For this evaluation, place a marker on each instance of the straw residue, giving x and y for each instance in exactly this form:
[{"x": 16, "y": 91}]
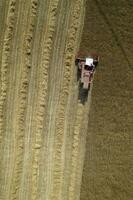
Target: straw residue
[
  {"x": 60, "y": 118},
  {"x": 6, "y": 62},
  {"x": 42, "y": 93},
  {"x": 22, "y": 99}
]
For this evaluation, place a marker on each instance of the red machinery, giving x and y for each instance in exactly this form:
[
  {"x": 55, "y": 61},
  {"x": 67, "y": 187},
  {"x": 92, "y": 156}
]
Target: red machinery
[{"x": 86, "y": 67}]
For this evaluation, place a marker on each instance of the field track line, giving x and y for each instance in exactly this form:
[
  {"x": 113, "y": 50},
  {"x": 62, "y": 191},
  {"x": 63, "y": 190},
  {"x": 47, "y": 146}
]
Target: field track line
[{"x": 113, "y": 32}]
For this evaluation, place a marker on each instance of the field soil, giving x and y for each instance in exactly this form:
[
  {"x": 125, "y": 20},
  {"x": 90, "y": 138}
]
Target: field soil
[{"x": 108, "y": 167}]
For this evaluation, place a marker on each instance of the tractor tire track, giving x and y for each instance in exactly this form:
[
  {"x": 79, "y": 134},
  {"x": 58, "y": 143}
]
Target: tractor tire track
[{"x": 114, "y": 34}]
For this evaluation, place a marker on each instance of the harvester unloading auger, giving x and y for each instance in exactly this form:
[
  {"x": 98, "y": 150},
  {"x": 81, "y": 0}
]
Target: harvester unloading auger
[{"x": 86, "y": 66}]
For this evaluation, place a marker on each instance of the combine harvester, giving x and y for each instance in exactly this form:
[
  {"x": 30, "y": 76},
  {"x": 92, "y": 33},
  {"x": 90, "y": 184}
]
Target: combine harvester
[{"x": 86, "y": 66}]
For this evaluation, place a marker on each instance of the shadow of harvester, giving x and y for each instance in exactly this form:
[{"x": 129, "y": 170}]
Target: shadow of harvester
[{"x": 83, "y": 93}]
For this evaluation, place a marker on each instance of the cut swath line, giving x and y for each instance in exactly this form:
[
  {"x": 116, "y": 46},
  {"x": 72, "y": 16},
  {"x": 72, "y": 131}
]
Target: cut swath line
[
  {"x": 5, "y": 65},
  {"x": 42, "y": 94},
  {"x": 78, "y": 150},
  {"x": 75, "y": 151},
  {"x": 60, "y": 118},
  {"x": 21, "y": 112},
  {"x": 5, "y": 62}
]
